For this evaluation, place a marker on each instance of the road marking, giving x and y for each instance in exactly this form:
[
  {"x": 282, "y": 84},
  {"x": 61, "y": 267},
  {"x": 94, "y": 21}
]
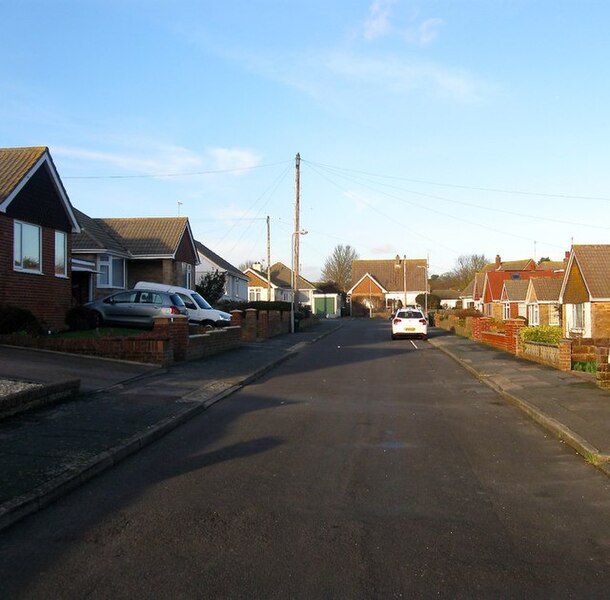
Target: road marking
[{"x": 414, "y": 346}]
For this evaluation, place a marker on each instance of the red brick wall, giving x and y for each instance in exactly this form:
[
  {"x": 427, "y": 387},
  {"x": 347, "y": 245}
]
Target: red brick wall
[{"x": 46, "y": 296}]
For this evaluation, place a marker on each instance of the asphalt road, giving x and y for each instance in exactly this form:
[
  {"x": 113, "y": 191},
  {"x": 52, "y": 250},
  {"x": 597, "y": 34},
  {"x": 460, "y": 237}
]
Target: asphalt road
[{"x": 362, "y": 468}]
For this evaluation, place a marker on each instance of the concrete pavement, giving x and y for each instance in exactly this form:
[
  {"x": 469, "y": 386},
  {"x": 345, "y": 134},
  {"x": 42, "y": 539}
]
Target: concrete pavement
[
  {"x": 569, "y": 405},
  {"x": 46, "y": 452}
]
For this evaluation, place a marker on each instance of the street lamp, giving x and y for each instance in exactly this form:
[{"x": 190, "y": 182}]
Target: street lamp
[{"x": 294, "y": 282}]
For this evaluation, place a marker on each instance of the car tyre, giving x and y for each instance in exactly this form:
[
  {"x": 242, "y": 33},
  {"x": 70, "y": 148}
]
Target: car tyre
[{"x": 207, "y": 325}]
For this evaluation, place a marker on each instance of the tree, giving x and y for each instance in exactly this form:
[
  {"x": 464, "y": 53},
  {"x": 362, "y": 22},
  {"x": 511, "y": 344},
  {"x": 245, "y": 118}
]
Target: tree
[
  {"x": 338, "y": 267},
  {"x": 212, "y": 286},
  {"x": 466, "y": 267}
]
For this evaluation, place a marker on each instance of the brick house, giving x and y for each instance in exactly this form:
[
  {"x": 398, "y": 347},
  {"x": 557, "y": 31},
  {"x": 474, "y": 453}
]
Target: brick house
[
  {"x": 114, "y": 254},
  {"x": 386, "y": 284},
  {"x": 542, "y": 300},
  {"x": 513, "y": 299},
  {"x": 279, "y": 286},
  {"x": 36, "y": 223},
  {"x": 585, "y": 292}
]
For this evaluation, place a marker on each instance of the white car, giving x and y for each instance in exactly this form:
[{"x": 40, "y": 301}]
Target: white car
[{"x": 409, "y": 322}]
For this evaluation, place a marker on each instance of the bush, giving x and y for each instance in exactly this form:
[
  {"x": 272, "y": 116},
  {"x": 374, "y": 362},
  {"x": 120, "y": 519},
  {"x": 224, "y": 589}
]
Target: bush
[
  {"x": 585, "y": 366},
  {"x": 545, "y": 334},
  {"x": 81, "y": 318},
  {"x": 14, "y": 319}
]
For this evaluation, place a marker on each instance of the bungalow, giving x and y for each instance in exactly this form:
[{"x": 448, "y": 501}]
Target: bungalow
[
  {"x": 36, "y": 223},
  {"x": 278, "y": 286},
  {"x": 585, "y": 292},
  {"x": 513, "y": 299},
  {"x": 114, "y": 254},
  {"x": 387, "y": 284},
  {"x": 236, "y": 283},
  {"x": 542, "y": 300}
]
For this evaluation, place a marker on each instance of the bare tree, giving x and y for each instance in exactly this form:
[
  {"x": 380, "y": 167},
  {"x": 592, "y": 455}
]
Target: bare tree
[
  {"x": 338, "y": 267},
  {"x": 466, "y": 267}
]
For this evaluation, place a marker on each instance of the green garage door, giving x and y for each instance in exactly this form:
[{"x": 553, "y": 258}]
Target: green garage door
[{"x": 324, "y": 306}]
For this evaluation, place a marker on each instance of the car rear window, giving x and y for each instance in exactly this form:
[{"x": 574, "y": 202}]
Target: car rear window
[
  {"x": 409, "y": 314},
  {"x": 177, "y": 300}
]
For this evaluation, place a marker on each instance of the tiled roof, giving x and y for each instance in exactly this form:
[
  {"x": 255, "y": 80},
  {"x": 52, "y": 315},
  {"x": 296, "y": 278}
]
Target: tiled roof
[
  {"x": 447, "y": 294},
  {"x": 516, "y": 290},
  {"x": 281, "y": 277},
  {"x": 516, "y": 265},
  {"x": 546, "y": 289},
  {"x": 594, "y": 263},
  {"x": 218, "y": 260},
  {"x": 390, "y": 276},
  {"x": 95, "y": 235},
  {"x": 551, "y": 265},
  {"x": 15, "y": 164}
]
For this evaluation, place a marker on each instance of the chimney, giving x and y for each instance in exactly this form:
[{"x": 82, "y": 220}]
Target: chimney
[
  {"x": 257, "y": 266},
  {"x": 566, "y": 258},
  {"x": 498, "y": 261}
]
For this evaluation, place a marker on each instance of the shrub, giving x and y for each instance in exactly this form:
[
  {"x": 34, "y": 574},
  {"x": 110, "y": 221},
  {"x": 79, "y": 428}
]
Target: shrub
[
  {"x": 15, "y": 319},
  {"x": 81, "y": 318},
  {"x": 545, "y": 334},
  {"x": 585, "y": 366}
]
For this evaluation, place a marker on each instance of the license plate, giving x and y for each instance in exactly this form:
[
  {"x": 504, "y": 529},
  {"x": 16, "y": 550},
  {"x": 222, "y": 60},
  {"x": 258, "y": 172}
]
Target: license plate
[{"x": 409, "y": 328}]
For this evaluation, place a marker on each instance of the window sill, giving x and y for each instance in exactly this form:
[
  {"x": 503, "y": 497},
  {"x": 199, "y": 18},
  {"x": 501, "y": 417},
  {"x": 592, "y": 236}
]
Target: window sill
[{"x": 28, "y": 272}]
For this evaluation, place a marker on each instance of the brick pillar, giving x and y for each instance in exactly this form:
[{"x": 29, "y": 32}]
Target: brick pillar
[
  {"x": 512, "y": 332},
  {"x": 237, "y": 318},
  {"x": 177, "y": 329},
  {"x": 603, "y": 368},
  {"x": 479, "y": 326},
  {"x": 263, "y": 325},
  {"x": 565, "y": 355},
  {"x": 249, "y": 330}
]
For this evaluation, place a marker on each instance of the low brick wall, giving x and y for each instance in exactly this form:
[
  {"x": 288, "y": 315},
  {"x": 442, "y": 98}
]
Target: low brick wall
[
  {"x": 454, "y": 324},
  {"x": 556, "y": 356},
  {"x": 213, "y": 342},
  {"x": 507, "y": 341}
]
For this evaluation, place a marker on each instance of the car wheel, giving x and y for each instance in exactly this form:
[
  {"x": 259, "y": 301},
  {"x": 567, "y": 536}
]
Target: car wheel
[
  {"x": 207, "y": 325},
  {"x": 393, "y": 337},
  {"x": 97, "y": 320}
]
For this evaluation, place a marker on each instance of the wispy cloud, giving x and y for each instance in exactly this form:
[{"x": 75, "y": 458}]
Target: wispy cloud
[
  {"x": 405, "y": 75},
  {"x": 378, "y": 23},
  {"x": 426, "y": 33},
  {"x": 384, "y": 250},
  {"x": 234, "y": 158}
]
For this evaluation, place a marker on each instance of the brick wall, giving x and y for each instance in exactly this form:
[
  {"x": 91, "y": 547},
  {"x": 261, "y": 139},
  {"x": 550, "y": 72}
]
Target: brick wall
[
  {"x": 48, "y": 297},
  {"x": 600, "y": 319}
]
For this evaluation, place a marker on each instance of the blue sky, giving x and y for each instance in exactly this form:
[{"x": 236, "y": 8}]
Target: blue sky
[{"x": 426, "y": 128}]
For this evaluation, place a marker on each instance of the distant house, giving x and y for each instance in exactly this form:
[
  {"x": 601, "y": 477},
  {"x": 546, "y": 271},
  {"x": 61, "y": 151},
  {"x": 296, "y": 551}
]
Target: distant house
[
  {"x": 542, "y": 300},
  {"x": 448, "y": 298},
  {"x": 114, "y": 254},
  {"x": 386, "y": 284},
  {"x": 236, "y": 283},
  {"x": 278, "y": 286},
  {"x": 36, "y": 223},
  {"x": 513, "y": 299},
  {"x": 585, "y": 292}
]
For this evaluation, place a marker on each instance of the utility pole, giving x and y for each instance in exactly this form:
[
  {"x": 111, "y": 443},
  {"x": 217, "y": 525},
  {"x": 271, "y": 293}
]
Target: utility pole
[
  {"x": 297, "y": 228},
  {"x": 268, "y": 260}
]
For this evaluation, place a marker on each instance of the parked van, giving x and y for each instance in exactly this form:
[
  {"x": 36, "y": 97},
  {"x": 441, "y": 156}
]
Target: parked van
[{"x": 199, "y": 311}]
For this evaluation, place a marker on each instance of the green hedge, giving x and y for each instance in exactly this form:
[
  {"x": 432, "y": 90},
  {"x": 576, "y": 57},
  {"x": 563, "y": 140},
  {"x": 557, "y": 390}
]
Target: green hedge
[{"x": 545, "y": 334}]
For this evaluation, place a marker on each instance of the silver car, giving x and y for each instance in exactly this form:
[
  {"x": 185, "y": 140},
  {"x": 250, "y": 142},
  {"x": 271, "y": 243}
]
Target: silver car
[{"x": 136, "y": 307}]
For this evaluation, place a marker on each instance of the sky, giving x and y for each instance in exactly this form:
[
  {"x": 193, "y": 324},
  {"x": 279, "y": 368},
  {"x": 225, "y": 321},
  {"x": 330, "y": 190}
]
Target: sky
[{"x": 429, "y": 129}]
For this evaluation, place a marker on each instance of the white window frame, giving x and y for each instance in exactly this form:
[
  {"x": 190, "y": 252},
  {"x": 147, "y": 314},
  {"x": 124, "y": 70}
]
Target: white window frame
[
  {"x": 111, "y": 262},
  {"x": 533, "y": 314},
  {"x": 554, "y": 312},
  {"x": 578, "y": 320},
  {"x": 61, "y": 242},
  {"x": 506, "y": 311},
  {"x": 186, "y": 275},
  {"x": 18, "y": 227}
]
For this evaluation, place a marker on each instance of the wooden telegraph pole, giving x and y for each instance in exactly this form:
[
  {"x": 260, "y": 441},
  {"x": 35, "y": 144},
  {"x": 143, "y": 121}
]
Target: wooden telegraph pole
[{"x": 268, "y": 260}]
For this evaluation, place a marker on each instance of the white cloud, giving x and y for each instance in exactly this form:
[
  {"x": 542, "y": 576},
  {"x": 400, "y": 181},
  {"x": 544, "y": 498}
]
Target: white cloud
[
  {"x": 428, "y": 31},
  {"x": 234, "y": 158},
  {"x": 378, "y": 22},
  {"x": 387, "y": 250},
  {"x": 404, "y": 75}
]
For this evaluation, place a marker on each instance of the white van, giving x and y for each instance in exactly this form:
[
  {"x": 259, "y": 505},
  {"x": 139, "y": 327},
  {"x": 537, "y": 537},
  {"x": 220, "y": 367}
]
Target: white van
[{"x": 198, "y": 309}]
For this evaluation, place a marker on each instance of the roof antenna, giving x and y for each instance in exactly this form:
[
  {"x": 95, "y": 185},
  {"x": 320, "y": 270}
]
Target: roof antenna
[{"x": 179, "y": 205}]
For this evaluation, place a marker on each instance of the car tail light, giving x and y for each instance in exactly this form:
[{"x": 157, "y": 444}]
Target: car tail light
[
  {"x": 423, "y": 321},
  {"x": 174, "y": 310},
  {"x": 396, "y": 321}
]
